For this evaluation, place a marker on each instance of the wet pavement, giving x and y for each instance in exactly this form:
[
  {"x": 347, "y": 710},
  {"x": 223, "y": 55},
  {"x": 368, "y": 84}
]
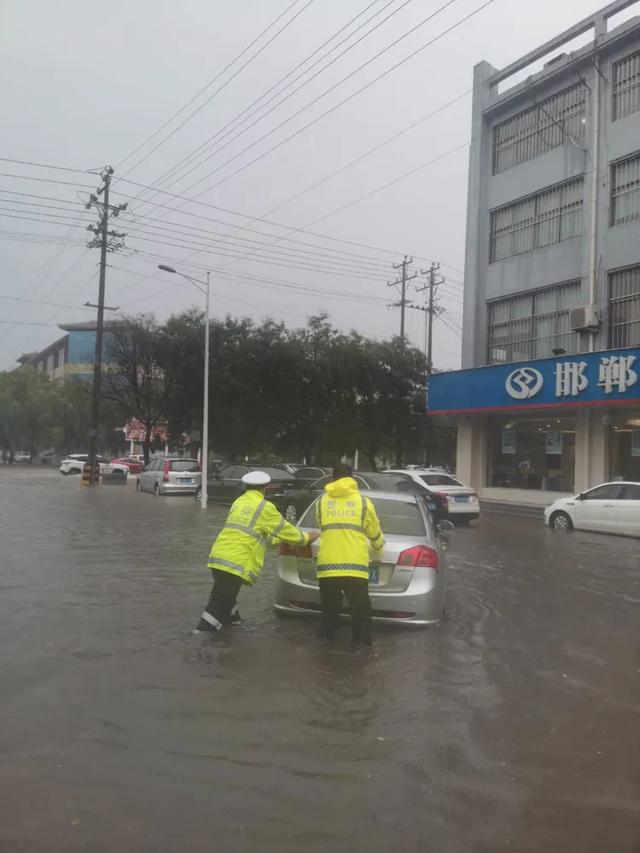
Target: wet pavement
[{"x": 512, "y": 726}]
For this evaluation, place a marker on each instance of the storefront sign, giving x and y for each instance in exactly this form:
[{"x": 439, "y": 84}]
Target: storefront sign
[
  {"x": 589, "y": 379},
  {"x": 553, "y": 444},
  {"x": 508, "y": 442}
]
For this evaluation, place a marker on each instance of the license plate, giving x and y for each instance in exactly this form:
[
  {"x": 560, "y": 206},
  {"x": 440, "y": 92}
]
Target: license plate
[
  {"x": 186, "y": 480},
  {"x": 462, "y": 499},
  {"x": 374, "y": 574}
]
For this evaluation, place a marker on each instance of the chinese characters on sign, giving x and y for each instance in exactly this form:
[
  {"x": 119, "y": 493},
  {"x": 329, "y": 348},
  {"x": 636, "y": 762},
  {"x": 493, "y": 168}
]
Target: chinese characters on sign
[
  {"x": 615, "y": 375},
  {"x": 570, "y": 378}
]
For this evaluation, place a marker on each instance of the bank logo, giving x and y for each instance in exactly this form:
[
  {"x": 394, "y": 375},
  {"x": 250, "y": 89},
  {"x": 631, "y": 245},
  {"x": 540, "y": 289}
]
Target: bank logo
[{"x": 524, "y": 383}]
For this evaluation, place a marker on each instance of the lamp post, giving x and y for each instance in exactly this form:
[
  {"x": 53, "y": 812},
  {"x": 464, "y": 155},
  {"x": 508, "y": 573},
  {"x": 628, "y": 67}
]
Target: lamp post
[{"x": 203, "y": 287}]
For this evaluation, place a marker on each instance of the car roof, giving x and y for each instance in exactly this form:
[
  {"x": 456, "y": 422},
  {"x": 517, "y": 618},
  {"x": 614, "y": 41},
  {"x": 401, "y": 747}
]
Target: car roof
[{"x": 401, "y": 497}]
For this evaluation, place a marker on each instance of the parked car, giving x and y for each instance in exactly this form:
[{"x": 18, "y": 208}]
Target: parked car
[
  {"x": 608, "y": 508},
  {"x": 293, "y": 502},
  {"x": 226, "y": 485},
  {"x": 74, "y": 463},
  {"x": 132, "y": 463},
  {"x": 171, "y": 475},
  {"x": 460, "y": 502},
  {"x": 409, "y": 584},
  {"x": 289, "y": 467},
  {"x": 310, "y": 474}
]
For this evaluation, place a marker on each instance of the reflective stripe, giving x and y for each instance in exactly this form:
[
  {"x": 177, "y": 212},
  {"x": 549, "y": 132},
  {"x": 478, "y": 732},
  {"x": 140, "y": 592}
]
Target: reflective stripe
[
  {"x": 340, "y": 526},
  {"x": 242, "y": 529},
  {"x": 219, "y": 561},
  {"x": 375, "y": 538},
  {"x": 256, "y": 514},
  {"x": 364, "y": 511},
  {"x": 211, "y": 620},
  {"x": 279, "y": 527},
  {"x": 339, "y": 567},
  {"x": 303, "y": 538}
]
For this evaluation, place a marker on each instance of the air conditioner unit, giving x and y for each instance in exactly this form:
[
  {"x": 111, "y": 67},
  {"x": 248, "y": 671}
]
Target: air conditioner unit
[{"x": 585, "y": 319}]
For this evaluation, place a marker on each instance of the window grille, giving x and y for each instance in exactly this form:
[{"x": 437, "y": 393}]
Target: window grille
[{"x": 546, "y": 125}]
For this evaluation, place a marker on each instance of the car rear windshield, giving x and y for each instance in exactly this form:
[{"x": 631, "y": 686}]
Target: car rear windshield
[
  {"x": 439, "y": 480},
  {"x": 396, "y": 517},
  {"x": 184, "y": 465}
]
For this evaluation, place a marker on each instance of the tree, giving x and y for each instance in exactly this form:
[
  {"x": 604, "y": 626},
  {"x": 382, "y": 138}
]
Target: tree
[{"x": 140, "y": 377}]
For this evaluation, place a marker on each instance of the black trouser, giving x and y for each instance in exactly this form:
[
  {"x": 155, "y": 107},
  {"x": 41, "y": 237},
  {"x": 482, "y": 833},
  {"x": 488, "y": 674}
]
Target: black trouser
[
  {"x": 357, "y": 592},
  {"x": 221, "y": 609}
]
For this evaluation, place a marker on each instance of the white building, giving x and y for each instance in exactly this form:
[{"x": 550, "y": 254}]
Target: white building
[{"x": 548, "y": 399}]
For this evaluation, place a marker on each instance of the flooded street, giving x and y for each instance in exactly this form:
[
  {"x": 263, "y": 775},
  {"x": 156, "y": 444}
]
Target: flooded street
[{"x": 511, "y": 726}]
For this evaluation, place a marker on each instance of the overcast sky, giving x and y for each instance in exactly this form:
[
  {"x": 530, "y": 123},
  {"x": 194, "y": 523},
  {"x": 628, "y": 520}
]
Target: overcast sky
[{"x": 83, "y": 85}]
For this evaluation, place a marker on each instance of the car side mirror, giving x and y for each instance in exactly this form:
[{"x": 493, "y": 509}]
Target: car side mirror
[
  {"x": 446, "y": 526},
  {"x": 581, "y": 496}
]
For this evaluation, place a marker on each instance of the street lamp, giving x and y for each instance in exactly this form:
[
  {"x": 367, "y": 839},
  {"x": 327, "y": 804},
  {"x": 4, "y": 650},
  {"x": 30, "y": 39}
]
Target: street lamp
[{"x": 203, "y": 287}]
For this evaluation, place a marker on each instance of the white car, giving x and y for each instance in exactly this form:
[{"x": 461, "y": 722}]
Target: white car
[
  {"x": 460, "y": 502},
  {"x": 74, "y": 464},
  {"x": 609, "y": 508}
]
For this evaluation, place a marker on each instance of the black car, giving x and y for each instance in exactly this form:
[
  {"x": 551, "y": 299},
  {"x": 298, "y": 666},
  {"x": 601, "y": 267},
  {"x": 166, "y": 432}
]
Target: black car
[
  {"x": 226, "y": 484},
  {"x": 293, "y": 502},
  {"x": 309, "y": 474}
]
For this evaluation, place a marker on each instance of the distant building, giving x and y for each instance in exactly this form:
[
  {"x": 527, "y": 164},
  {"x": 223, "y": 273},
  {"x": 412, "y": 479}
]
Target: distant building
[
  {"x": 71, "y": 356},
  {"x": 549, "y": 396}
]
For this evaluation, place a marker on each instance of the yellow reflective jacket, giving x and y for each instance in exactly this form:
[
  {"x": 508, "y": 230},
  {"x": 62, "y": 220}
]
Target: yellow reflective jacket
[
  {"x": 241, "y": 544},
  {"x": 348, "y": 525}
]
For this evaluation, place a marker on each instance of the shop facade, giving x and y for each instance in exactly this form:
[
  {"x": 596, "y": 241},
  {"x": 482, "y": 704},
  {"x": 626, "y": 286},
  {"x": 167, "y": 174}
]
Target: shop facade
[{"x": 531, "y": 431}]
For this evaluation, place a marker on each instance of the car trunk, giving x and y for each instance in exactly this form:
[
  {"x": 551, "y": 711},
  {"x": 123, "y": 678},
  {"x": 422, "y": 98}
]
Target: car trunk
[
  {"x": 458, "y": 495},
  {"x": 179, "y": 476},
  {"x": 391, "y": 578}
]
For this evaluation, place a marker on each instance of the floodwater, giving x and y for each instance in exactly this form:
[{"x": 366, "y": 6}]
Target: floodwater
[{"x": 512, "y": 726}]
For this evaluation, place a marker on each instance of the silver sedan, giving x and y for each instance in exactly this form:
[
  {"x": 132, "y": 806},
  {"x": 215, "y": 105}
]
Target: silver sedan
[{"x": 408, "y": 585}]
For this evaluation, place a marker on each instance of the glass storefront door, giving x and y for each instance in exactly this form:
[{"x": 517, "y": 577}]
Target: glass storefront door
[
  {"x": 532, "y": 452},
  {"x": 625, "y": 445}
]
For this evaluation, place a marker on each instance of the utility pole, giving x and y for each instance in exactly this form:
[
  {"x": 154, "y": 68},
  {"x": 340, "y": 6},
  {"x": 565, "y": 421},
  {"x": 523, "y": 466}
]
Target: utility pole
[
  {"x": 430, "y": 309},
  {"x": 107, "y": 241},
  {"x": 402, "y": 281}
]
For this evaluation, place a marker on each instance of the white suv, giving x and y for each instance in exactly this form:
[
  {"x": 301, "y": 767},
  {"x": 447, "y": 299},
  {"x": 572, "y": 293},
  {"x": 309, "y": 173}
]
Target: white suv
[
  {"x": 461, "y": 503},
  {"x": 74, "y": 464}
]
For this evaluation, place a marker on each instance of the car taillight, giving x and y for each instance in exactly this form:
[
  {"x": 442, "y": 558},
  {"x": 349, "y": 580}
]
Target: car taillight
[
  {"x": 420, "y": 555},
  {"x": 444, "y": 498},
  {"x": 165, "y": 472},
  {"x": 285, "y": 549}
]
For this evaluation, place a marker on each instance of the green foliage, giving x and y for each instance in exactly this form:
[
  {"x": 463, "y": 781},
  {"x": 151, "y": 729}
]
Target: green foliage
[
  {"x": 312, "y": 392},
  {"x": 37, "y": 413}
]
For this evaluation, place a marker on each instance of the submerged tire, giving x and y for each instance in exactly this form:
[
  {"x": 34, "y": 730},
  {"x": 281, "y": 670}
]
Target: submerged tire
[{"x": 560, "y": 521}]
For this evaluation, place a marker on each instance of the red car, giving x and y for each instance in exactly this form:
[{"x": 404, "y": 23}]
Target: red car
[{"x": 134, "y": 466}]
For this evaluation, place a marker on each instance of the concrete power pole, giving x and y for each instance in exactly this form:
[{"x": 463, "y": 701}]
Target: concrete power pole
[
  {"x": 430, "y": 309},
  {"x": 403, "y": 302},
  {"x": 103, "y": 241}
]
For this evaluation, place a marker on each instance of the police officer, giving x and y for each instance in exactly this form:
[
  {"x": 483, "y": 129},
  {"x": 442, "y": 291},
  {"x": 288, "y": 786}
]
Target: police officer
[
  {"x": 348, "y": 527},
  {"x": 237, "y": 555}
]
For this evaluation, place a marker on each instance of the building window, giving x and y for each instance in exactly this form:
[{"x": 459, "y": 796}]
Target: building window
[
  {"x": 625, "y": 190},
  {"x": 541, "y": 220},
  {"x": 532, "y": 452},
  {"x": 534, "y": 324},
  {"x": 624, "y": 308},
  {"x": 626, "y": 86},
  {"x": 546, "y": 125}
]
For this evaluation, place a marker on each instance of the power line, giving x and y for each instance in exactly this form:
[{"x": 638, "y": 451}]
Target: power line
[
  {"x": 340, "y": 103},
  {"x": 42, "y": 302},
  {"x": 211, "y": 141},
  {"x": 202, "y": 91},
  {"x": 224, "y": 85}
]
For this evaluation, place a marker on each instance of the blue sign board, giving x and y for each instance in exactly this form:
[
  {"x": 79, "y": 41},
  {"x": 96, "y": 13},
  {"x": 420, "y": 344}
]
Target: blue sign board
[{"x": 589, "y": 379}]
